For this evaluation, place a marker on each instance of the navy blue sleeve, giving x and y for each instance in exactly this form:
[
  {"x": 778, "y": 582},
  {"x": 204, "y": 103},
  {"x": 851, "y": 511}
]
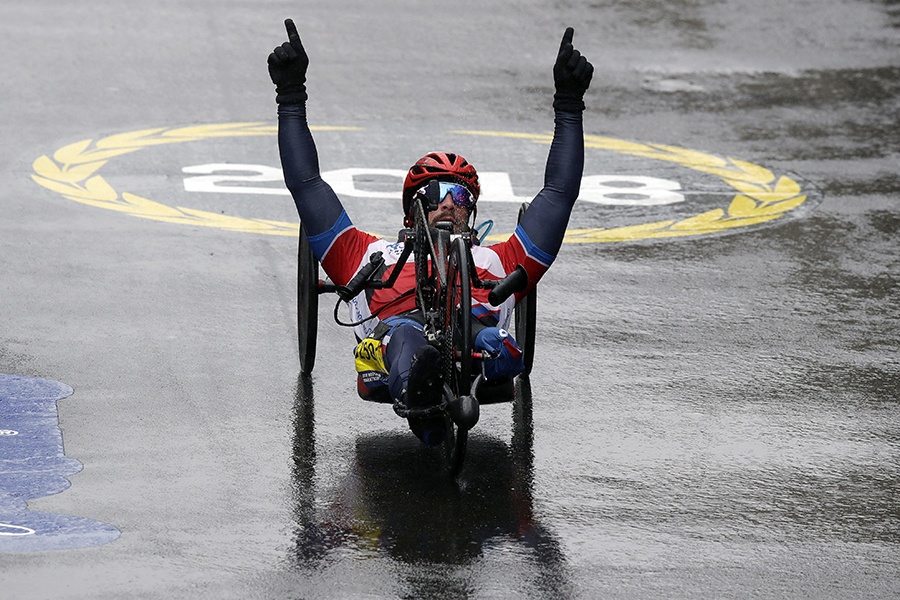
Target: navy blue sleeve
[
  {"x": 544, "y": 223},
  {"x": 318, "y": 206}
]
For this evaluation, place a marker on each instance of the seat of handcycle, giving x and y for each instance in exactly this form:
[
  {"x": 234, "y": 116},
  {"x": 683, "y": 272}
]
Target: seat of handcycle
[{"x": 485, "y": 393}]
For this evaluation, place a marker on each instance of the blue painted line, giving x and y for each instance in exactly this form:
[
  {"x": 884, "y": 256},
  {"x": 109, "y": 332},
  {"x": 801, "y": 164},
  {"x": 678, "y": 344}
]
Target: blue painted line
[{"x": 32, "y": 465}]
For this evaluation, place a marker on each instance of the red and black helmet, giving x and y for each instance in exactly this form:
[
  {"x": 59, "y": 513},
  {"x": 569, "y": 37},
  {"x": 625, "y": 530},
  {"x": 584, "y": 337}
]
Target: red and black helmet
[{"x": 443, "y": 166}]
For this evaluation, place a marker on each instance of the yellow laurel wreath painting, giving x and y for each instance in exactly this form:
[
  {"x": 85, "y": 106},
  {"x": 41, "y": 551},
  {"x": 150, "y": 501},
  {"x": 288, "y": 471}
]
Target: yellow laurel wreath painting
[
  {"x": 72, "y": 172},
  {"x": 761, "y": 196}
]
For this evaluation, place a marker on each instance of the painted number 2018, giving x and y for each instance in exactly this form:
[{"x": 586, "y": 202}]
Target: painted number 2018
[{"x": 618, "y": 190}]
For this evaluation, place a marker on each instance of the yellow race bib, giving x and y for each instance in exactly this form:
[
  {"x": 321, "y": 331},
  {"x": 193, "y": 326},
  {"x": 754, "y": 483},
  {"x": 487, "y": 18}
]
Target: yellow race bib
[{"x": 370, "y": 365}]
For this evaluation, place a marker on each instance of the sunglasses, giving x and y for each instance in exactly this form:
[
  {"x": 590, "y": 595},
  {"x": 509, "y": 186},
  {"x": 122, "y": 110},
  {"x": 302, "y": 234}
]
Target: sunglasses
[{"x": 458, "y": 193}]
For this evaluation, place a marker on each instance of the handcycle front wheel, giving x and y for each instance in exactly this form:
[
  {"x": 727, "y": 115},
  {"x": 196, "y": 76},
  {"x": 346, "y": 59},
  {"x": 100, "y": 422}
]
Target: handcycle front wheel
[
  {"x": 458, "y": 319},
  {"x": 454, "y": 447},
  {"x": 307, "y": 303},
  {"x": 457, "y": 350}
]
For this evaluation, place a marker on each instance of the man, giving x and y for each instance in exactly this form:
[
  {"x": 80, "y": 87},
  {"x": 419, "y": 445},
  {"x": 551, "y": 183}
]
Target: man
[{"x": 403, "y": 360}]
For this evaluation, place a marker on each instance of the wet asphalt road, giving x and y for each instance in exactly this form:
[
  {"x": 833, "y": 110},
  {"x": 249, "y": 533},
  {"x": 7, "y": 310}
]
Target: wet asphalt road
[{"x": 720, "y": 420}]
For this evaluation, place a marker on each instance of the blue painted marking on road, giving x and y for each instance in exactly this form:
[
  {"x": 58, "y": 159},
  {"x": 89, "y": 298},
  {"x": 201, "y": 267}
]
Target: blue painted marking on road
[{"x": 33, "y": 465}]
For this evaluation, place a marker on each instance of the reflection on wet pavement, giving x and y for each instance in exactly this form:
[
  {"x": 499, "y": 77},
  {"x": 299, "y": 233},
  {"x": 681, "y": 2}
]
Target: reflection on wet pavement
[{"x": 394, "y": 500}]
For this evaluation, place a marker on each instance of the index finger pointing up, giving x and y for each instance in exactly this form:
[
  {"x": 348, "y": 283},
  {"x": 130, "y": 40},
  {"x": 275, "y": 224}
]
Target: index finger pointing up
[
  {"x": 291, "y": 29},
  {"x": 567, "y": 37}
]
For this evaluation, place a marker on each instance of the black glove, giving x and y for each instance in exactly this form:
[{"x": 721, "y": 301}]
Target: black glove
[
  {"x": 287, "y": 68},
  {"x": 572, "y": 75}
]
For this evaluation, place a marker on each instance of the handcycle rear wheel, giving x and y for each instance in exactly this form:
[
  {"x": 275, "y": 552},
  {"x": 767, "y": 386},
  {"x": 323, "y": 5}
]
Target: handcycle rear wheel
[
  {"x": 307, "y": 303},
  {"x": 525, "y": 318}
]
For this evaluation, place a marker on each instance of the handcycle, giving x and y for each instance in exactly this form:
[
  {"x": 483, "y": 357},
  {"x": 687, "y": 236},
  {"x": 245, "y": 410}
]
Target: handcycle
[{"x": 445, "y": 277}]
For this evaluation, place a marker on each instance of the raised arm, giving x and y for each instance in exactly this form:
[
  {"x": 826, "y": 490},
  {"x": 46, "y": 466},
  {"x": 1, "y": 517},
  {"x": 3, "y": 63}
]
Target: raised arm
[
  {"x": 319, "y": 208},
  {"x": 544, "y": 223}
]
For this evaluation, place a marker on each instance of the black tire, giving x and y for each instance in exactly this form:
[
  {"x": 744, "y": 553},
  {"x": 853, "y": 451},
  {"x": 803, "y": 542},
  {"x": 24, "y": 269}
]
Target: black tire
[
  {"x": 457, "y": 456},
  {"x": 455, "y": 443},
  {"x": 523, "y": 421},
  {"x": 458, "y": 344},
  {"x": 458, "y": 319},
  {"x": 525, "y": 316},
  {"x": 525, "y": 319},
  {"x": 307, "y": 303}
]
